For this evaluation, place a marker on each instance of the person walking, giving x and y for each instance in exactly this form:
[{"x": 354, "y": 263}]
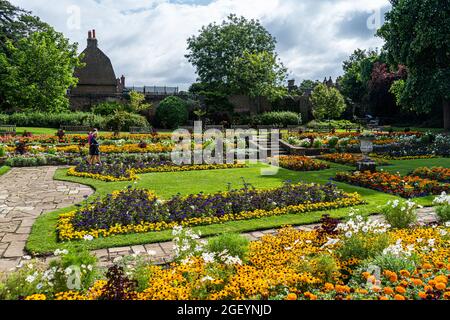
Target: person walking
[
  {"x": 94, "y": 148},
  {"x": 89, "y": 159}
]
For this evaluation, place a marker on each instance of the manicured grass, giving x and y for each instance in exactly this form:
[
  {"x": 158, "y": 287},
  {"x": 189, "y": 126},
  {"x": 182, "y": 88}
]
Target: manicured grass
[
  {"x": 36, "y": 131},
  {"x": 43, "y": 239},
  {"x": 4, "y": 170}
]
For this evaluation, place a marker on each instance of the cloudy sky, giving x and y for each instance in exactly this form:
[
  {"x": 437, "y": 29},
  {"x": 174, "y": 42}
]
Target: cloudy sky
[{"x": 146, "y": 39}]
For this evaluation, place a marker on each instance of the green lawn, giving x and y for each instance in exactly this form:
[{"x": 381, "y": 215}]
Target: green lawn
[
  {"x": 4, "y": 170},
  {"x": 43, "y": 238}
]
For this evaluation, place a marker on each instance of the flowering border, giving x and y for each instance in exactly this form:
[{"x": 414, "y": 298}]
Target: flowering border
[
  {"x": 160, "y": 169},
  {"x": 66, "y": 230}
]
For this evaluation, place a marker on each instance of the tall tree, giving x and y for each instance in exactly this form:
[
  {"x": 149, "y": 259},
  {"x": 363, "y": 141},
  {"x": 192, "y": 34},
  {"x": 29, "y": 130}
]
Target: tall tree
[
  {"x": 328, "y": 103},
  {"x": 16, "y": 23},
  {"x": 258, "y": 75},
  {"x": 36, "y": 71},
  {"x": 357, "y": 73},
  {"x": 417, "y": 35},
  {"x": 216, "y": 49}
]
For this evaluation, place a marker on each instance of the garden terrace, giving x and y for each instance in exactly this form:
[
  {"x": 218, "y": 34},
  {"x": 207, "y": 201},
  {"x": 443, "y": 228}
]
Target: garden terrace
[{"x": 166, "y": 185}]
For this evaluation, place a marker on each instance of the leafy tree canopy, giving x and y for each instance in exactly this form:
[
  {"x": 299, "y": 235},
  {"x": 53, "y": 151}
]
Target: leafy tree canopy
[
  {"x": 216, "y": 49},
  {"x": 328, "y": 103},
  {"x": 417, "y": 35}
]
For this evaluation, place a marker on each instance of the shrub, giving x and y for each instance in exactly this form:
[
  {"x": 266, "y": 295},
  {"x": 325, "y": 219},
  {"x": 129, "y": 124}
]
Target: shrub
[
  {"x": 235, "y": 244},
  {"x": 328, "y": 103},
  {"x": 400, "y": 214},
  {"x": 172, "y": 113},
  {"x": 323, "y": 266},
  {"x": 123, "y": 121},
  {"x": 392, "y": 262},
  {"x": 281, "y": 119},
  {"x": 362, "y": 247},
  {"x": 108, "y": 108},
  {"x": 443, "y": 207},
  {"x": 54, "y": 120},
  {"x": 2, "y": 150}
]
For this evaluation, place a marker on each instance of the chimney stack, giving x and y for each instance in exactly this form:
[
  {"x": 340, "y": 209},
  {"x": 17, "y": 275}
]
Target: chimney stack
[{"x": 92, "y": 41}]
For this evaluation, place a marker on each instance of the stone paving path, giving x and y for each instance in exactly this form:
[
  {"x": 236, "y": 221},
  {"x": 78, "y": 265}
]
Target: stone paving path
[
  {"x": 162, "y": 252},
  {"x": 25, "y": 194}
]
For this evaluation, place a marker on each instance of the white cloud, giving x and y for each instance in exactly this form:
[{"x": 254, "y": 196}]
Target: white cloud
[{"x": 146, "y": 39}]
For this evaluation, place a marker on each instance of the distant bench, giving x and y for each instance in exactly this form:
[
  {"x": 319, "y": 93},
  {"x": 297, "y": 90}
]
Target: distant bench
[
  {"x": 6, "y": 130},
  {"x": 76, "y": 129}
]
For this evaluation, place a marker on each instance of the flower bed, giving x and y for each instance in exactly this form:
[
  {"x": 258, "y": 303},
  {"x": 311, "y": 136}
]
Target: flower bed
[
  {"x": 119, "y": 170},
  {"x": 412, "y": 264},
  {"x": 349, "y": 159},
  {"x": 137, "y": 211},
  {"x": 299, "y": 163},
  {"x": 437, "y": 173},
  {"x": 406, "y": 187}
]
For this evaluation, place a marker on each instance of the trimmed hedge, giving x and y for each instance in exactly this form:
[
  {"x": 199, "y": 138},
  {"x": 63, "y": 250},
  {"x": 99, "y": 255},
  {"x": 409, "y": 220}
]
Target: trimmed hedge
[
  {"x": 55, "y": 120},
  {"x": 172, "y": 113},
  {"x": 280, "y": 118}
]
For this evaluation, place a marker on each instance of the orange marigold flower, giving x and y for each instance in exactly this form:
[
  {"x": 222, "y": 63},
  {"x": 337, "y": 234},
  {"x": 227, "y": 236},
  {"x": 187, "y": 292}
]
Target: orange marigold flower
[
  {"x": 422, "y": 295},
  {"x": 384, "y": 298},
  {"x": 393, "y": 277},
  {"x": 417, "y": 282},
  {"x": 428, "y": 288},
  {"x": 291, "y": 296},
  {"x": 399, "y": 297},
  {"x": 441, "y": 279},
  {"x": 405, "y": 273},
  {"x": 440, "y": 286},
  {"x": 427, "y": 266},
  {"x": 400, "y": 290},
  {"x": 388, "y": 290},
  {"x": 329, "y": 286}
]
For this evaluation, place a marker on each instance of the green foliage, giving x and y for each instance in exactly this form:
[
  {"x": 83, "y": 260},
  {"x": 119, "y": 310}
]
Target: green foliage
[
  {"x": 363, "y": 246},
  {"x": 2, "y": 150},
  {"x": 392, "y": 263},
  {"x": 443, "y": 212},
  {"x": 74, "y": 269},
  {"x": 307, "y": 85},
  {"x": 172, "y": 113},
  {"x": 357, "y": 73},
  {"x": 416, "y": 34},
  {"x": 108, "y": 108},
  {"x": 281, "y": 119},
  {"x": 259, "y": 75},
  {"x": 137, "y": 102},
  {"x": 400, "y": 214},
  {"x": 397, "y": 89},
  {"x": 36, "y": 71},
  {"x": 327, "y": 102},
  {"x": 122, "y": 121},
  {"x": 235, "y": 244},
  {"x": 54, "y": 120},
  {"x": 17, "y": 23},
  {"x": 214, "y": 51},
  {"x": 337, "y": 124},
  {"x": 322, "y": 266}
]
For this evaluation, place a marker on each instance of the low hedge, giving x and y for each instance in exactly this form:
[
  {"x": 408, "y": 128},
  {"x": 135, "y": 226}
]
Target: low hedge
[
  {"x": 55, "y": 120},
  {"x": 282, "y": 119}
]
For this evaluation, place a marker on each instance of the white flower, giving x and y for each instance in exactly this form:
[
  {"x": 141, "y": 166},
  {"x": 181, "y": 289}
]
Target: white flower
[
  {"x": 349, "y": 234},
  {"x": 207, "y": 278},
  {"x": 208, "y": 257},
  {"x": 30, "y": 279},
  {"x": 88, "y": 237}
]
